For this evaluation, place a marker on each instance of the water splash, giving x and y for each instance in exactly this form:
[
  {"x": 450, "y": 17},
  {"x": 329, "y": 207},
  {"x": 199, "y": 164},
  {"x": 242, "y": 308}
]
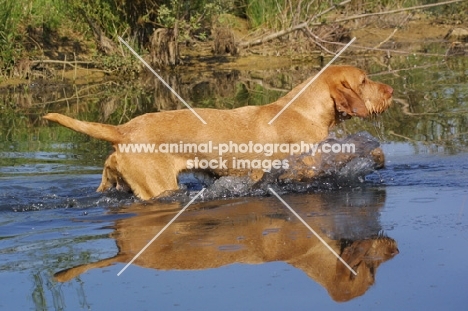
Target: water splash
[{"x": 329, "y": 171}]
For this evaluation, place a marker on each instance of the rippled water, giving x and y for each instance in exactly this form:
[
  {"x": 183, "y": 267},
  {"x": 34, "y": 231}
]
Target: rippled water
[{"x": 62, "y": 244}]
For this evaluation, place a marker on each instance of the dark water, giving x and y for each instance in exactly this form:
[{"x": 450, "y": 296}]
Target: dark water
[{"x": 62, "y": 244}]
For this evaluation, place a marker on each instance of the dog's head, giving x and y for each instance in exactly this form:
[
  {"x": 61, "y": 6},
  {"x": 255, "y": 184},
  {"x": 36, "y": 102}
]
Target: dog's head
[
  {"x": 354, "y": 94},
  {"x": 112, "y": 177},
  {"x": 364, "y": 256}
]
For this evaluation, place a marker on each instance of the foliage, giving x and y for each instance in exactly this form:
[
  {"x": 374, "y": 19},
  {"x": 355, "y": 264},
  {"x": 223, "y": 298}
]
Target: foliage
[
  {"x": 137, "y": 19},
  {"x": 16, "y": 17},
  {"x": 280, "y": 14},
  {"x": 189, "y": 17},
  {"x": 456, "y": 13},
  {"x": 10, "y": 18},
  {"x": 103, "y": 12}
]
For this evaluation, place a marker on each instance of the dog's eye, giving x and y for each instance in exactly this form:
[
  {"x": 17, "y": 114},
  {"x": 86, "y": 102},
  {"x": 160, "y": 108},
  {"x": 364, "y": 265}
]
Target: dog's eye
[{"x": 363, "y": 80}]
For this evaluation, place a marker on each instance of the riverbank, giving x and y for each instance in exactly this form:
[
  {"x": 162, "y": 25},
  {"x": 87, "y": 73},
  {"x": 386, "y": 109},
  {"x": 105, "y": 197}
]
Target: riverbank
[{"x": 67, "y": 55}]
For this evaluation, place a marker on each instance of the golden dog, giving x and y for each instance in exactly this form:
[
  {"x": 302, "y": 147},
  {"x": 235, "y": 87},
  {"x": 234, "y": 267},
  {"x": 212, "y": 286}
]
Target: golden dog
[
  {"x": 260, "y": 230},
  {"x": 337, "y": 94}
]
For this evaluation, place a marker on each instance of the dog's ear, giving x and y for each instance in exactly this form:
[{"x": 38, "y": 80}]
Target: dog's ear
[{"x": 347, "y": 102}]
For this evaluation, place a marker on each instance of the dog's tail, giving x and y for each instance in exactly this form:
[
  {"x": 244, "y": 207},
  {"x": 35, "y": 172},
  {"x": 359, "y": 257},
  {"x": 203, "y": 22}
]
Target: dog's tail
[{"x": 97, "y": 130}]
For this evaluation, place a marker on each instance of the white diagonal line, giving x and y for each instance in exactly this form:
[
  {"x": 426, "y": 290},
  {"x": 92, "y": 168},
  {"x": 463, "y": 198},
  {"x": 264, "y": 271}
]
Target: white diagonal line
[
  {"x": 161, "y": 79},
  {"x": 160, "y": 232},
  {"x": 312, "y": 230},
  {"x": 311, "y": 81}
]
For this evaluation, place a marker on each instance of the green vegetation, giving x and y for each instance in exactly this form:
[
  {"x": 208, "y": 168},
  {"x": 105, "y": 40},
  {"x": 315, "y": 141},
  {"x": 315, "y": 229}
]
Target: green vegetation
[
  {"x": 37, "y": 29},
  {"x": 19, "y": 20},
  {"x": 10, "y": 18}
]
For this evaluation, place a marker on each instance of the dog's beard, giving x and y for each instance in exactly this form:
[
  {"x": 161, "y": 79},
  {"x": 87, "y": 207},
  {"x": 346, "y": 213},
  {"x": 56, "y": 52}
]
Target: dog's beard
[{"x": 377, "y": 108}]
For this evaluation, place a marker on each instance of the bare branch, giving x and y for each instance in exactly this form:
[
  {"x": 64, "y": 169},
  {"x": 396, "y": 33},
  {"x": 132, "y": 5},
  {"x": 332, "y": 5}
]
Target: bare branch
[
  {"x": 291, "y": 29},
  {"x": 396, "y": 11},
  {"x": 308, "y": 22},
  {"x": 394, "y": 32},
  {"x": 315, "y": 39}
]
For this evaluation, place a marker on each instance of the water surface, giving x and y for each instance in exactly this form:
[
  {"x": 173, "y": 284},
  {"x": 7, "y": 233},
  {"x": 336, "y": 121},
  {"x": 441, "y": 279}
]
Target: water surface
[{"x": 62, "y": 244}]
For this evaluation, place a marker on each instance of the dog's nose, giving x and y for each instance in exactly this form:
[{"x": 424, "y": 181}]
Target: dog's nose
[{"x": 389, "y": 89}]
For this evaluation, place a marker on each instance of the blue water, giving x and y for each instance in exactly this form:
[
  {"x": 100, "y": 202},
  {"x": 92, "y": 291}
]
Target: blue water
[{"x": 245, "y": 253}]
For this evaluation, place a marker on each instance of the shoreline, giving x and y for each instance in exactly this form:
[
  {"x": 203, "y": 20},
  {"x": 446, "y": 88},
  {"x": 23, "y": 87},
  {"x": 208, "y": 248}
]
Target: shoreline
[{"x": 419, "y": 36}]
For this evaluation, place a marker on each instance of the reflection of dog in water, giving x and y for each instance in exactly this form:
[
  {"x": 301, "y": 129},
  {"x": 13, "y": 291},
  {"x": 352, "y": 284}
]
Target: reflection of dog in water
[
  {"x": 339, "y": 93},
  {"x": 261, "y": 230}
]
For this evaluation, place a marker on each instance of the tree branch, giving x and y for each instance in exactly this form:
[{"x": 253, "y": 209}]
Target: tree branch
[
  {"x": 291, "y": 29},
  {"x": 308, "y": 22},
  {"x": 396, "y": 11}
]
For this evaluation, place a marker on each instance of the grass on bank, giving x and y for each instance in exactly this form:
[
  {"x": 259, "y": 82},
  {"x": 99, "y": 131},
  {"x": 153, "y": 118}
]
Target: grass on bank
[{"x": 30, "y": 27}]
